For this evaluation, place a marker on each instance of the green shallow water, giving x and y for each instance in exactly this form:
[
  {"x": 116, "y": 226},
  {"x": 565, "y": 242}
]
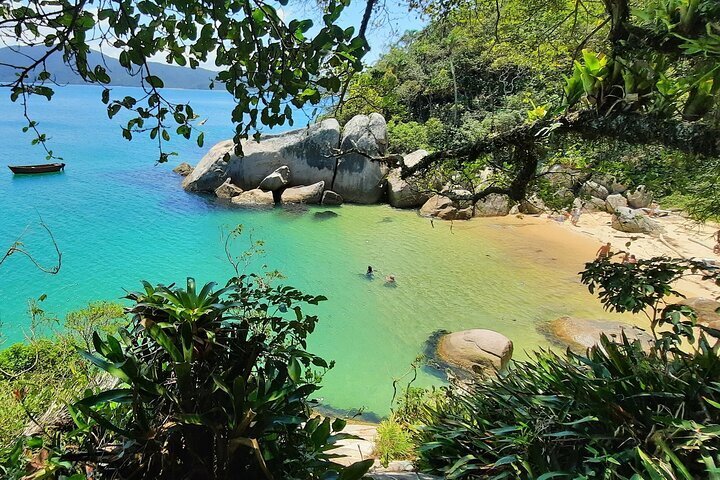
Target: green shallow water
[{"x": 118, "y": 218}]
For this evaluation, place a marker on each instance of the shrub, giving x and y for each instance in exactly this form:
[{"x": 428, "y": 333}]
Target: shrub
[
  {"x": 406, "y": 137},
  {"x": 392, "y": 442}
]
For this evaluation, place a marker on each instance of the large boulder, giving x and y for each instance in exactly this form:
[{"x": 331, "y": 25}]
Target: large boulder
[
  {"x": 494, "y": 205},
  {"x": 228, "y": 190},
  {"x": 311, "y": 194},
  {"x": 594, "y": 189},
  {"x": 641, "y": 197},
  {"x": 615, "y": 201},
  {"x": 360, "y": 179},
  {"x": 254, "y": 198},
  {"x": 401, "y": 193},
  {"x": 183, "y": 169},
  {"x": 307, "y": 152},
  {"x": 211, "y": 172},
  {"x": 580, "y": 333},
  {"x": 276, "y": 180},
  {"x": 594, "y": 204},
  {"x": 331, "y": 198},
  {"x": 476, "y": 350},
  {"x": 435, "y": 205},
  {"x": 634, "y": 221},
  {"x": 706, "y": 309},
  {"x": 531, "y": 206},
  {"x": 562, "y": 176}
]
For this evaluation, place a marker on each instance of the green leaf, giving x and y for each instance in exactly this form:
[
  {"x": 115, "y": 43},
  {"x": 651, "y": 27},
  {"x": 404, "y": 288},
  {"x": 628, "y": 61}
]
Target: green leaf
[{"x": 357, "y": 470}]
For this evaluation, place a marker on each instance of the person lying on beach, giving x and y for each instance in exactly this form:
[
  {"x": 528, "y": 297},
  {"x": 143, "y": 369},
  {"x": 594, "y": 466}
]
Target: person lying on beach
[{"x": 603, "y": 252}]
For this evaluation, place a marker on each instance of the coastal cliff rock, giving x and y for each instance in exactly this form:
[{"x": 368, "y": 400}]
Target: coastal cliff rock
[
  {"x": 228, "y": 190},
  {"x": 310, "y": 194},
  {"x": 476, "y": 350},
  {"x": 359, "y": 179},
  {"x": 303, "y": 157},
  {"x": 254, "y": 198},
  {"x": 402, "y": 194},
  {"x": 634, "y": 221},
  {"x": 276, "y": 180},
  {"x": 183, "y": 169},
  {"x": 580, "y": 333}
]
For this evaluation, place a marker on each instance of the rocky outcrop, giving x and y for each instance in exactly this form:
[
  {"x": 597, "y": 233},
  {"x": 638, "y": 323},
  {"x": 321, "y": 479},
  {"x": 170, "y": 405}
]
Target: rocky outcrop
[
  {"x": 228, "y": 190},
  {"x": 359, "y": 179},
  {"x": 615, "y": 201},
  {"x": 493, "y": 205},
  {"x": 531, "y": 206},
  {"x": 276, "y": 180},
  {"x": 401, "y": 193},
  {"x": 594, "y": 204},
  {"x": 311, "y": 194},
  {"x": 254, "y": 198},
  {"x": 640, "y": 198},
  {"x": 331, "y": 198},
  {"x": 476, "y": 350},
  {"x": 706, "y": 309},
  {"x": 183, "y": 169},
  {"x": 580, "y": 333},
  {"x": 303, "y": 157},
  {"x": 634, "y": 221}
]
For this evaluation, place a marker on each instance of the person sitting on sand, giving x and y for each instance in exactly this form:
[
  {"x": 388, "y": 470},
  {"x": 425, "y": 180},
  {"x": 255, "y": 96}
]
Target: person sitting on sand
[{"x": 603, "y": 252}]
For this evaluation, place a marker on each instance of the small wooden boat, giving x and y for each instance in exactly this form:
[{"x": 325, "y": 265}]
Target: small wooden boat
[{"x": 30, "y": 169}]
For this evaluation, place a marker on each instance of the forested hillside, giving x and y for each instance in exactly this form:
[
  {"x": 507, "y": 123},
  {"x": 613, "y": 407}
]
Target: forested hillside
[{"x": 480, "y": 69}]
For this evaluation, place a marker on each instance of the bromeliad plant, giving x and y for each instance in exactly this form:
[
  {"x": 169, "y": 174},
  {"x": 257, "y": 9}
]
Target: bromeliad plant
[{"x": 215, "y": 384}]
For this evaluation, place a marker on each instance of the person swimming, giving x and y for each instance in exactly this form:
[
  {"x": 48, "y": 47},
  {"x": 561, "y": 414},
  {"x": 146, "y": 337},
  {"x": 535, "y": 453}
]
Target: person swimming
[
  {"x": 390, "y": 279},
  {"x": 369, "y": 272}
]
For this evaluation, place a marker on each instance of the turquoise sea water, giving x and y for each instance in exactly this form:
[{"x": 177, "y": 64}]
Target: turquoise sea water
[{"x": 119, "y": 218}]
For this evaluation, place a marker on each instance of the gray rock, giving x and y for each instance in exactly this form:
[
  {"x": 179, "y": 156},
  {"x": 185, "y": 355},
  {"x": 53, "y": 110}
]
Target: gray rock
[
  {"x": 359, "y": 179},
  {"x": 476, "y": 350},
  {"x": 402, "y": 193},
  {"x": 615, "y": 201},
  {"x": 494, "y": 205},
  {"x": 307, "y": 152},
  {"x": 228, "y": 190},
  {"x": 211, "y": 172},
  {"x": 435, "y": 204},
  {"x": 593, "y": 189},
  {"x": 253, "y": 198},
  {"x": 634, "y": 221},
  {"x": 595, "y": 204},
  {"x": 531, "y": 206},
  {"x": 562, "y": 176},
  {"x": 331, "y": 198},
  {"x": 183, "y": 169},
  {"x": 464, "y": 213},
  {"x": 276, "y": 180},
  {"x": 311, "y": 194},
  {"x": 447, "y": 213},
  {"x": 640, "y": 198}
]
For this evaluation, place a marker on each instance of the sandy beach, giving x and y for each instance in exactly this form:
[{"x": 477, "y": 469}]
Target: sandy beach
[{"x": 682, "y": 238}]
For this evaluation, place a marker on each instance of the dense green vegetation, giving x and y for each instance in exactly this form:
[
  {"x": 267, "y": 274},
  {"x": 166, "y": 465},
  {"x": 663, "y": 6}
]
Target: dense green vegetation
[{"x": 613, "y": 88}]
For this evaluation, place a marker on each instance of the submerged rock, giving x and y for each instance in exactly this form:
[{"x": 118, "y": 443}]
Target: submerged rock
[
  {"x": 477, "y": 350},
  {"x": 183, "y": 169},
  {"x": 634, "y": 221},
  {"x": 324, "y": 215},
  {"x": 310, "y": 194},
  {"x": 580, "y": 333},
  {"x": 228, "y": 190},
  {"x": 276, "y": 180}
]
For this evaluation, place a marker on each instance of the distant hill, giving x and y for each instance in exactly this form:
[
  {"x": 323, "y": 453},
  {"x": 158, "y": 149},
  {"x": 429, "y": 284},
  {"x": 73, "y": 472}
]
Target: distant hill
[{"x": 173, "y": 76}]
